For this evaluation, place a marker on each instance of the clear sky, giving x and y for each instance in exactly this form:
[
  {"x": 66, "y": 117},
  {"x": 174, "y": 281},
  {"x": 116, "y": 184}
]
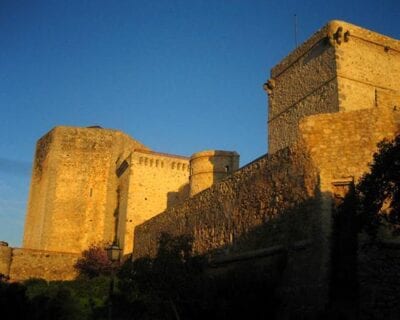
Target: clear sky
[{"x": 179, "y": 76}]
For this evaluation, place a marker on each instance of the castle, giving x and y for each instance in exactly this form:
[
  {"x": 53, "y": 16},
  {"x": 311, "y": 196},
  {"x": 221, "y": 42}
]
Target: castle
[
  {"x": 330, "y": 102},
  {"x": 93, "y": 186}
]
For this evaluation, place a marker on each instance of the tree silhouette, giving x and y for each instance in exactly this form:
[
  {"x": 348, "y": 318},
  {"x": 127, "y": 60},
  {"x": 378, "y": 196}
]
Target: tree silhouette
[
  {"x": 378, "y": 191},
  {"x": 163, "y": 287},
  {"x": 94, "y": 262}
]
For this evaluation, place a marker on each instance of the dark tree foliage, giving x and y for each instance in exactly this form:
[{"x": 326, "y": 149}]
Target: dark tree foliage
[
  {"x": 13, "y": 301},
  {"x": 177, "y": 285},
  {"x": 68, "y": 300},
  {"x": 378, "y": 191},
  {"x": 163, "y": 287},
  {"x": 60, "y": 305},
  {"x": 94, "y": 262},
  {"x": 84, "y": 298}
]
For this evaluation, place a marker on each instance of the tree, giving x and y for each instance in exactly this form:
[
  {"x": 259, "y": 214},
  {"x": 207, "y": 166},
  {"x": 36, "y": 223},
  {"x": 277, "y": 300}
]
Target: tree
[
  {"x": 13, "y": 301},
  {"x": 163, "y": 287},
  {"x": 94, "y": 262},
  {"x": 378, "y": 191}
]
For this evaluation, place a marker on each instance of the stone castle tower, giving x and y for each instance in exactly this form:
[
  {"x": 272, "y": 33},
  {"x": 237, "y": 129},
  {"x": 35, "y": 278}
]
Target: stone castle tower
[
  {"x": 330, "y": 102},
  {"x": 341, "y": 68},
  {"x": 94, "y": 185},
  {"x": 208, "y": 167}
]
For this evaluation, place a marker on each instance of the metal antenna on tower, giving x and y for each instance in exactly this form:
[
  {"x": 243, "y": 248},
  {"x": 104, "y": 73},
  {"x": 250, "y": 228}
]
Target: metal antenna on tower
[{"x": 295, "y": 30}]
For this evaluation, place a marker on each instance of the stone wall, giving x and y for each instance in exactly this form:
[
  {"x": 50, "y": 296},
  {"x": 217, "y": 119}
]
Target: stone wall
[
  {"x": 340, "y": 68},
  {"x": 5, "y": 258},
  {"x": 73, "y": 188},
  {"x": 232, "y": 214},
  {"x": 282, "y": 199},
  {"x": 154, "y": 182},
  {"x": 22, "y": 264},
  {"x": 40, "y": 191},
  {"x": 368, "y": 65},
  {"x": 48, "y": 265},
  {"x": 304, "y": 83},
  {"x": 342, "y": 144},
  {"x": 89, "y": 185},
  {"x": 94, "y": 185},
  {"x": 273, "y": 201}
]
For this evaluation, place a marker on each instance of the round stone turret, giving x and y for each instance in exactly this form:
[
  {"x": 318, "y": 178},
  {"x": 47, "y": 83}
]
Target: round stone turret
[{"x": 208, "y": 167}]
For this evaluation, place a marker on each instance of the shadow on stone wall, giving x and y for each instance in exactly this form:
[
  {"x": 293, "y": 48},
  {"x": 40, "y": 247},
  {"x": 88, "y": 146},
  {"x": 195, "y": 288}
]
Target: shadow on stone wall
[
  {"x": 289, "y": 267},
  {"x": 179, "y": 285},
  {"x": 364, "y": 278},
  {"x": 174, "y": 198},
  {"x": 266, "y": 221},
  {"x": 344, "y": 289},
  {"x": 284, "y": 258}
]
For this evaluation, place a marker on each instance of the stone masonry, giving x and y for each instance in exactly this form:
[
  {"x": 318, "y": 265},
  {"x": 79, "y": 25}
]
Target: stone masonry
[
  {"x": 341, "y": 68},
  {"x": 323, "y": 130},
  {"x": 330, "y": 102},
  {"x": 94, "y": 185}
]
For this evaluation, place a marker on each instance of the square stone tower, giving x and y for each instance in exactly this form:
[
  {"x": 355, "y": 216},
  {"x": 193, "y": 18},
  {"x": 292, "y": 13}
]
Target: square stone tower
[
  {"x": 342, "y": 67},
  {"x": 73, "y": 193},
  {"x": 94, "y": 185}
]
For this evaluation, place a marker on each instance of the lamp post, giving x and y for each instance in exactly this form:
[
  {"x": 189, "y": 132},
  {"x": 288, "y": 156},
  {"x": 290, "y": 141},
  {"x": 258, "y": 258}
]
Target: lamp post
[{"x": 113, "y": 254}]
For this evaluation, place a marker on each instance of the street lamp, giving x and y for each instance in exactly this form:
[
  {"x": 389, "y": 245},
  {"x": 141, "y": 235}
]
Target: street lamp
[{"x": 113, "y": 254}]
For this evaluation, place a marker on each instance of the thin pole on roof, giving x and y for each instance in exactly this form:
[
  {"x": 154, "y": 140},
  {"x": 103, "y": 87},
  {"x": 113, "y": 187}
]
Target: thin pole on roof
[{"x": 295, "y": 31}]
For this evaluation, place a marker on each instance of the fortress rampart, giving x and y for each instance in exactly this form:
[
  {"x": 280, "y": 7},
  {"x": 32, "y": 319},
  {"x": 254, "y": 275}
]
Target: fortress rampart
[
  {"x": 319, "y": 147},
  {"x": 225, "y": 217},
  {"x": 340, "y": 141},
  {"x": 94, "y": 185},
  {"x": 330, "y": 102},
  {"x": 284, "y": 199},
  {"x": 21, "y": 264}
]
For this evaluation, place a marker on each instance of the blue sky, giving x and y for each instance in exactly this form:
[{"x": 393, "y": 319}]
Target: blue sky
[{"x": 179, "y": 76}]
